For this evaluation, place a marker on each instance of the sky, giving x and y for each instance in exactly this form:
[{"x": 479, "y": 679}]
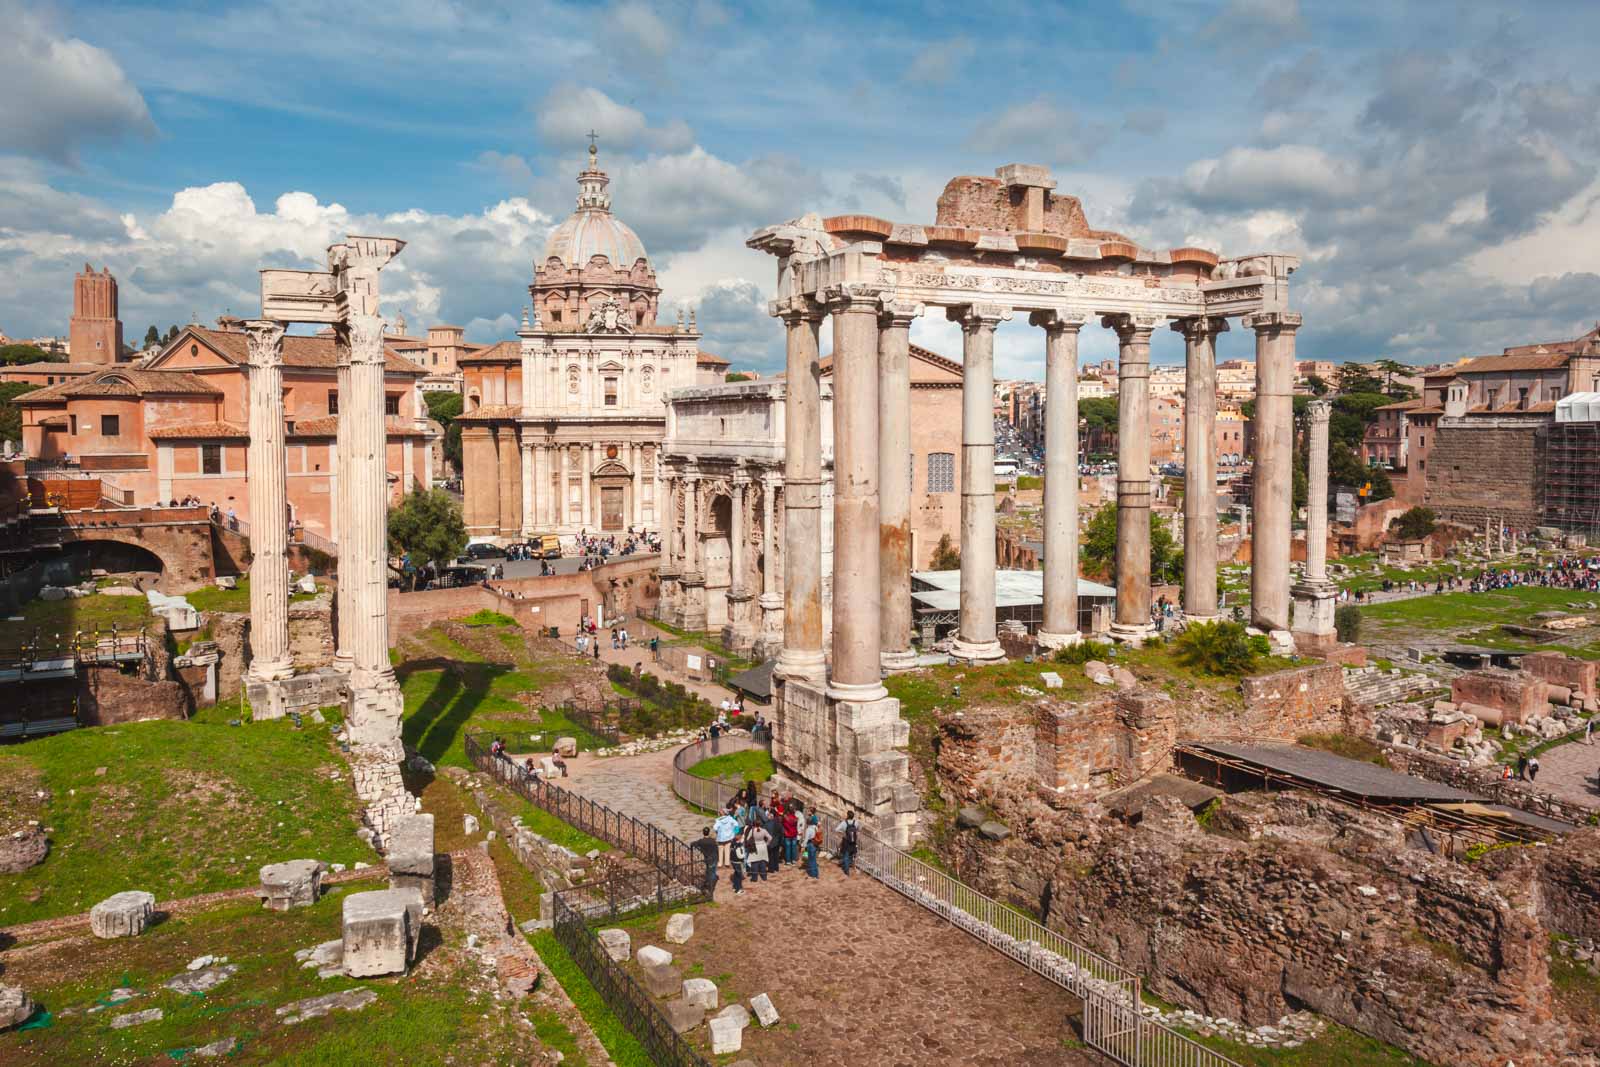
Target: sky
[{"x": 1434, "y": 164}]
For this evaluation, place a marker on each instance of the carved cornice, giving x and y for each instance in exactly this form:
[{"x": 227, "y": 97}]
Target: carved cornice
[{"x": 264, "y": 338}]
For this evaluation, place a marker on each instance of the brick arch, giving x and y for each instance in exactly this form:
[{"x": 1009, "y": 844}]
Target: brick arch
[{"x": 180, "y": 538}]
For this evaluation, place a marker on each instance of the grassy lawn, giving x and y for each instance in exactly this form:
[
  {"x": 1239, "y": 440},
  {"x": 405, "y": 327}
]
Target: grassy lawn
[
  {"x": 65, "y": 617},
  {"x": 1470, "y": 611},
  {"x": 753, "y": 765},
  {"x": 442, "y": 1013},
  {"x": 625, "y": 1049},
  {"x": 210, "y": 598},
  {"x": 181, "y": 808},
  {"x": 1336, "y": 1046}
]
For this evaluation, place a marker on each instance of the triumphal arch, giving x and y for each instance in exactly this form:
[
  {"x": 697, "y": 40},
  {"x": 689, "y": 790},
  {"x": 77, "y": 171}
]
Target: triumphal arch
[{"x": 1006, "y": 247}]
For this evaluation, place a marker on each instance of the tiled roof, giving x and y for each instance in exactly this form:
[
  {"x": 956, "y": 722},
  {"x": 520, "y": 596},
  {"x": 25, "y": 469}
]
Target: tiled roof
[
  {"x": 492, "y": 411},
  {"x": 123, "y": 381},
  {"x": 1501, "y": 364},
  {"x": 706, "y": 359},
  {"x": 328, "y": 426},
  {"x": 192, "y": 430},
  {"x": 44, "y": 366},
  {"x": 1404, "y": 405},
  {"x": 298, "y": 350},
  {"x": 498, "y": 351}
]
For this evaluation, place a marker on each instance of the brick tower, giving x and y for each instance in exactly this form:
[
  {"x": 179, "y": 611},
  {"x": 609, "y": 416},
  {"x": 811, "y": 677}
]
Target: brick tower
[{"x": 96, "y": 333}]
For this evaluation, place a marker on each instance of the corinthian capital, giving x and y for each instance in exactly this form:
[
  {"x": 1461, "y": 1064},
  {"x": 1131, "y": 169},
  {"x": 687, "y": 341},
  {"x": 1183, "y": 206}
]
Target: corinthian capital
[
  {"x": 1200, "y": 326},
  {"x": 1319, "y": 411},
  {"x": 264, "y": 338},
  {"x": 1274, "y": 321},
  {"x": 796, "y": 309},
  {"x": 1059, "y": 321},
  {"x": 897, "y": 314},
  {"x": 978, "y": 316},
  {"x": 1132, "y": 327},
  {"x": 852, "y": 297},
  {"x": 366, "y": 338}
]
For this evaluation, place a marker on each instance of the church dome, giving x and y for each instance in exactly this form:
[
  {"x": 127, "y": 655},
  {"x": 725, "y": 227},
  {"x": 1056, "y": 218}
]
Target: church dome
[{"x": 593, "y": 230}]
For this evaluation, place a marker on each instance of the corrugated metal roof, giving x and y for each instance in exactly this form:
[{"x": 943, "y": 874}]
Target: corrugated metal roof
[{"x": 1336, "y": 772}]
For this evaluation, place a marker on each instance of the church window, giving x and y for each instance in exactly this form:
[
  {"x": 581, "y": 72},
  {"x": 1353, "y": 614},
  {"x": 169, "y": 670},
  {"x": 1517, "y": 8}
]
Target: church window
[
  {"x": 611, "y": 392},
  {"x": 210, "y": 459},
  {"x": 110, "y": 426},
  {"x": 941, "y": 472}
]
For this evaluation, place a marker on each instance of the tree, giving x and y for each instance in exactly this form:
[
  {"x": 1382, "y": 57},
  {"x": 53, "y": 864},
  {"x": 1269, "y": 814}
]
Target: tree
[
  {"x": 1389, "y": 368},
  {"x": 946, "y": 557},
  {"x": 1317, "y": 385},
  {"x": 1354, "y": 378},
  {"x": 443, "y": 407},
  {"x": 10, "y": 414},
  {"x": 1347, "y": 623},
  {"x": 28, "y": 354},
  {"x": 152, "y": 337},
  {"x": 1415, "y": 523},
  {"x": 170, "y": 336},
  {"x": 1346, "y": 468},
  {"x": 1099, "y": 546},
  {"x": 1099, "y": 413},
  {"x": 736, "y": 376},
  {"x": 426, "y": 527}
]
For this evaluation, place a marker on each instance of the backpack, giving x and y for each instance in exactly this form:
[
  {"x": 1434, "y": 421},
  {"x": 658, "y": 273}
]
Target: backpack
[{"x": 850, "y": 836}]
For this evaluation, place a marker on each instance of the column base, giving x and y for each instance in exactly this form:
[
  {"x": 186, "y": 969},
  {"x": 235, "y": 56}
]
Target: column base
[
  {"x": 805, "y": 666},
  {"x": 263, "y": 670},
  {"x": 856, "y": 693},
  {"x": 1132, "y": 632},
  {"x": 1192, "y": 619},
  {"x": 903, "y": 659},
  {"x": 1314, "y": 605},
  {"x": 978, "y": 652},
  {"x": 1046, "y": 639}
]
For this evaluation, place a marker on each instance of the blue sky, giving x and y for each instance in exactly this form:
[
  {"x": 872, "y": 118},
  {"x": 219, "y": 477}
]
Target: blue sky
[{"x": 1433, "y": 163}]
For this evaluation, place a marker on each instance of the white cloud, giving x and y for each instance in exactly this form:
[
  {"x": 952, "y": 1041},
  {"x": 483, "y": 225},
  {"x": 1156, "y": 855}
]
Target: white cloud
[
  {"x": 569, "y": 112},
  {"x": 1264, "y": 176},
  {"x": 58, "y": 92},
  {"x": 1040, "y": 129}
]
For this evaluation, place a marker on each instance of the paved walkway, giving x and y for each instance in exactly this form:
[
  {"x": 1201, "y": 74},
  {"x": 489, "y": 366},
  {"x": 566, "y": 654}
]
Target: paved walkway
[
  {"x": 1572, "y": 772},
  {"x": 640, "y": 786},
  {"x": 638, "y": 653}
]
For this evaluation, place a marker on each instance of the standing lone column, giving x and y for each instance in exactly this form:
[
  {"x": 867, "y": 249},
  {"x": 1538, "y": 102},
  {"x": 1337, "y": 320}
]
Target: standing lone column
[
  {"x": 857, "y": 666},
  {"x": 269, "y": 510},
  {"x": 692, "y": 584},
  {"x": 736, "y": 631},
  {"x": 344, "y": 511},
  {"x": 1273, "y": 479},
  {"x": 528, "y": 521},
  {"x": 1314, "y": 598},
  {"x": 667, "y": 503},
  {"x": 1200, "y": 466},
  {"x": 1132, "y": 622},
  {"x": 802, "y": 494},
  {"x": 1059, "y": 628},
  {"x": 975, "y": 639},
  {"x": 771, "y": 600},
  {"x": 894, "y": 483}
]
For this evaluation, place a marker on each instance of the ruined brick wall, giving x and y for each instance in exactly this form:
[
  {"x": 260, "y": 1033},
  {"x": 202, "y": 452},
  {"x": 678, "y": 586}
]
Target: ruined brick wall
[
  {"x": 107, "y": 696},
  {"x": 1308, "y": 907},
  {"x": 1569, "y": 885},
  {"x": 1512, "y": 696},
  {"x": 311, "y": 636},
  {"x": 1482, "y": 471},
  {"x": 410, "y": 612},
  {"x": 1558, "y": 668},
  {"x": 1281, "y": 705},
  {"x": 231, "y": 632}
]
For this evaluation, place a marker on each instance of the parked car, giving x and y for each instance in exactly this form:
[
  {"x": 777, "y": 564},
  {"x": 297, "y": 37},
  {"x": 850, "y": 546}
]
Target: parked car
[{"x": 484, "y": 550}]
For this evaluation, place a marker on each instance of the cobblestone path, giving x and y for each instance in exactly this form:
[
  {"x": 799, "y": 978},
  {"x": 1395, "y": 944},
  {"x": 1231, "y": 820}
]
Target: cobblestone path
[
  {"x": 640, "y": 786},
  {"x": 1572, "y": 772}
]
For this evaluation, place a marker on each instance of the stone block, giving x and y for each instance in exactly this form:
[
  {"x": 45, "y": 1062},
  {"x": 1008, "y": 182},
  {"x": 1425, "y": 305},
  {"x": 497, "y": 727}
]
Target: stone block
[
  {"x": 737, "y": 1012},
  {"x": 411, "y": 855},
  {"x": 1051, "y": 679},
  {"x": 226, "y": 581},
  {"x": 566, "y": 747},
  {"x": 295, "y": 884},
  {"x": 16, "y": 1007},
  {"x": 381, "y": 930},
  {"x": 617, "y": 943},
  {"x": 726, "y": 1036},
  {"x": 680, "y": 927},
  {"x": 1512, "y": 696},
  {"x": 23, "y": 849},
  {"x": 662, "y": 979},
  {"x": 970, "y": 818},
  {"x": 683, "y": 1016},
  {"x": 136, "y": 1018},
  {"x": 701, "y": 992},
  {"x": 651, "y": 956},
  {"x": 766, "y": 1014},
  {"x": 124, "y": 914},
  {"x": 993, "y": 831},
  {"x": 469, "y": 824}
]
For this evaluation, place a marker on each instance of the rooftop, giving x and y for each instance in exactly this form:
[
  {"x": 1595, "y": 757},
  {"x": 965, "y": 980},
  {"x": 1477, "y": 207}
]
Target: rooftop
[{"x": 1012, "y": 589}]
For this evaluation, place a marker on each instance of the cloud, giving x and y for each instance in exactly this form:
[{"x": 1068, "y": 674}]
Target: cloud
[
  {"x": 1038, "y": 129},
  {"x": 58, "y": 93},
  {"x": 1419, "y": 93},
  {"x": 1295, "y": 175},
  {"x": 568, "y": 112},
  {"x": 937, "y": 63},
  {"x": 1247, "y": 25},
  {"x": 1146, "y": 120},
  {"x": 512, "y": 170}
]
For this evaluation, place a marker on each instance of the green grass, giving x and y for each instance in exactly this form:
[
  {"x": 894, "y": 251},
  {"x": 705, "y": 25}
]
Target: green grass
[
  {"x": 1453, "y": 611},
  {"x": 211, "y": 598},
  {"x": 489, "y": 618},
  {"x": 435, "y": 1019},
  {"x": 182, "y": 808},
  {"x": 751, "y": 765},
  {"x": 623, "y": 1047},
  {"x": 550, "y": 827},
  {"x": 49, "y": 618},
  {"x": 1356, "y": 748}
]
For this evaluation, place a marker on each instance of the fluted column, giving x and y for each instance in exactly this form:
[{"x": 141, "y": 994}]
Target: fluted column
[
  {"x": 564, "y": 498},
  {"x": 692, "y": 585},
  {"x": 344, "y": 508},
  {"x": 975, "y": 640},
  {"x": 1272, "y": 477},
  {"x": 667, "y": 518},
  {"x": 269, "y": 510},
  {"x": 857, "y": 668},
  {"x": 1315, "y": 598},
  {"x": 894, "y": 483},
  {"x": 636, "y": 506},
  {"x": 529, "y": 523},
  {"x": 736, "y": 633},
  {"x": 370, "y": 491},
  {"x": 771, "y": 602},
  {"x": 585, "y": 469},
  {"x": 1132, "y": 620},
  {"x": 1059, "y": 628},
  {"x": 1200, "y": 465},
  {"x": 802, "y": 494}
]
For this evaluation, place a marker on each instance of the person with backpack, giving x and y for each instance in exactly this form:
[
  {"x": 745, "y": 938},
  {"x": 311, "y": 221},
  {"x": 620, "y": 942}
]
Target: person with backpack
[
  {"x": 774, "y": 815},
  {"x": 737, "y": 854},
  {"x": 756, "y": 840},
  {"x": 849, "y": 842},
  {"x": 813, "y": 842},
  {"x": 707, "y": 847}
]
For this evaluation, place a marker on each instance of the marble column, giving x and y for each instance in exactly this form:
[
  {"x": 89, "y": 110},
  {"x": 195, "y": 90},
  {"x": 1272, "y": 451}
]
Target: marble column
[
  {"x": 666, "y": 501},
  {"x": 510, "y": 481},
  {"x": 857, "y": 666},
  {"x": 894, "y": 483},
  {"x": 771, "y": 601},
  {"x": 585, "y": 469},
  {"x": 529, "y": 523},
  {"x": 1272, "y": 477},
  {"x": 736, "y": 633},
  {"x": 975, "y": 638},
  {"x": 1315, "y": 597},
  {"x": 802, "y": 495},
  {"x": 269, "y": 509},
  {"x": 1059, "y": 627},
  {"x": 541, "y": 492},
  {"x": 636, "y": 464},
  {"x": 376, "y": 695},
  {"x": 692, "y": 584},
  {"x": 564, "y": 498},
  {"x": 1200, "y": 466},
  {"x": 344, "y": 508},
  {"x": 1132, "y": 621}
]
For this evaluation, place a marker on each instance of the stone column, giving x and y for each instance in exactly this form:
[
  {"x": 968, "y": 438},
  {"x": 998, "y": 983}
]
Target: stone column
[
  {"x": 269, "y": 510},
  {"x": 585, "y": 469},
  {"x": 857, "y": 667},
  {"x": 376, "y": 703},
  {"x": 736, "y": 633},
  {"x": 692, "y": 583},
  {"x": 636, "y": 464},
  {"x": 666, "y": 501},
  {"x": 510, "y": 480},
  {"x": 771, "y": 600},
  {"x": 1273, "y": 477},
  {"x": 1132, "y": 621},
  {"x": 975, "y": 639},
  {"x": 344, "y": 508},
  {"x": 802, "y": 494},
  {"x": 1059, "y": 627},
  {"x": 1200, "y": 466},
  {"x": 529, "y": 522},
  {"x": 894, "y": 483},
  {"x": 564, "y": 498},
  {"x": 1315, "y": 598}
]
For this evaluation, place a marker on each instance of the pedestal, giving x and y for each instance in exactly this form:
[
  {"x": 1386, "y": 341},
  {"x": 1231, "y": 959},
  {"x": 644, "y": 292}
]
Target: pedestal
[
  {"x": 1132, "y": 633},
  {"x": 770, "y": 640},
  {"x": 692, "y": 602},
  {"x": 904, "y": 659},
  {"x": 1314, "y": 606},
  {"x": 977, "y": 652},
  {"x": 1046, "y": 639},
  {"x": 737, "y": 634}
]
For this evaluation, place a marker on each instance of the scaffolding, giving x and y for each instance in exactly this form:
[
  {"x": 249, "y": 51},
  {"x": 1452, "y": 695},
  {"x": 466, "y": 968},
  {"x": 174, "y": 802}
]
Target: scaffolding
[{"x": 1572, "y": 478}]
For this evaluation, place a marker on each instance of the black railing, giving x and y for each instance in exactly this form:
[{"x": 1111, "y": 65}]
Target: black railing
[{"x": 597, "y": 721}]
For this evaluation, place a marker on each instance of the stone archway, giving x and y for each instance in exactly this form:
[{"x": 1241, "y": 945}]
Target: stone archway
[{"x": 716, "y": 549}]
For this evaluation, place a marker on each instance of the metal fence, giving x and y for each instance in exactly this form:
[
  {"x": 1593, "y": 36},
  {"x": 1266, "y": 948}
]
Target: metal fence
[
  {"x": 597, "y": 720},
  {"x": 1114, "y": 1022}
]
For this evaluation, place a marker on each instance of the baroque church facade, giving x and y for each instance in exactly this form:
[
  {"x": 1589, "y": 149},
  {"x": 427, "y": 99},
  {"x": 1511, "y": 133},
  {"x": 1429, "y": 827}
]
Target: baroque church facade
[{"x": 561, "y": 429}]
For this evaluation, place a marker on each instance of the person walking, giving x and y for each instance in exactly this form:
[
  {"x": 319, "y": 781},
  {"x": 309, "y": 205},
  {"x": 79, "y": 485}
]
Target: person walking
[
  {"x": 756, "y": 840},
  {"x": 1522, "y": 767},
  {"x": 813, "y": 832},
  {"x": 1588, "y": 730},
  {"x": 774, "y": 825},
  {"x": 1533, "y": 768},
  {"x": 849, "y": 842},
  {"x": 736, "y": 854},
  {"x": 707, "y": 847},
  {"x": 791, "y": 836},
  {"x": 726, "y": 828}
]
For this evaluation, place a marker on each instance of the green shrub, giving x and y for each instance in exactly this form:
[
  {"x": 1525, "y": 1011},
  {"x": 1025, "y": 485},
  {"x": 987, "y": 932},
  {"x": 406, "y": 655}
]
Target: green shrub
[
  {"x": 1083, "y": 652},
  {"x": 1347, "y": 623},
  {"x": 1219, "y": 648}
]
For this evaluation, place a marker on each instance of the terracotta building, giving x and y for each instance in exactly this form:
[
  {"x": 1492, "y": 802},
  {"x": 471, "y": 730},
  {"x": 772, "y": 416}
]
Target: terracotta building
[
  {"x": 176, "y": 427},
  {"x": 562, "y": 427},
  {"x": 95, "y": 334}
]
